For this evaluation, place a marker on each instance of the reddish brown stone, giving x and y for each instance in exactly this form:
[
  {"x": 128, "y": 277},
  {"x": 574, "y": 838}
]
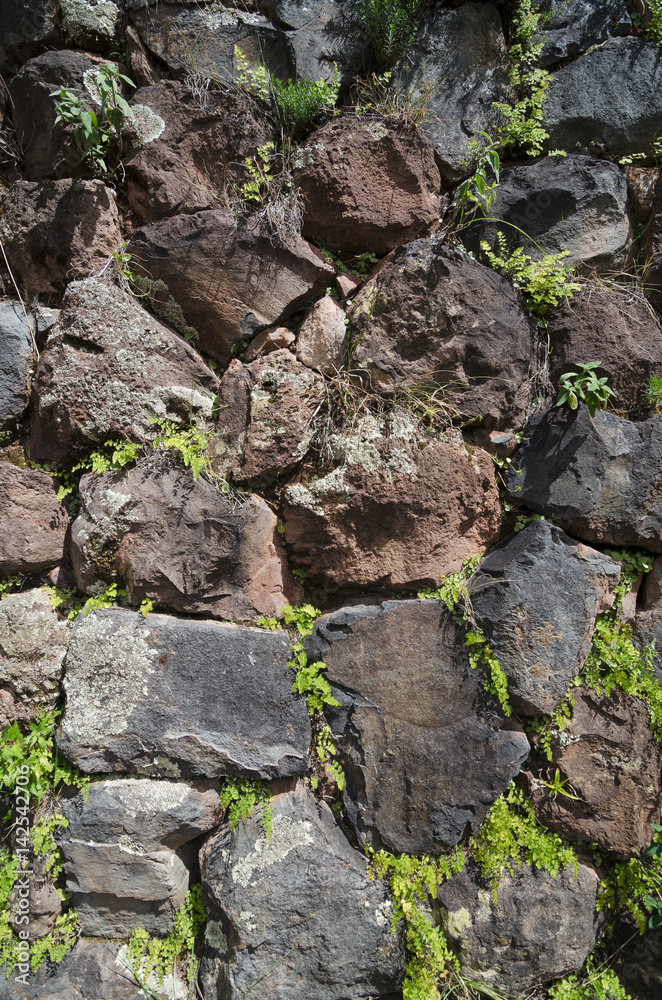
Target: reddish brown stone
[
  {"x": 33, "y": 524},
  {"x": 368, "y": 184},
  {"x": 641, "y": 189},
  {"x": 322, "y": 338},
  {"x": 268, "y": 341}
]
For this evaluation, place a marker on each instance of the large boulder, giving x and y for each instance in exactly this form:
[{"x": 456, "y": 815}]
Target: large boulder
[
  {"x": 610, "y": 97},
  {"x": 228, "y": 274},
  {"x": 181, "y": 544},
  {"x": 33, "y": 523},
  {"x": 204, "y": 142},
  {"x": 462, "y": 56},
  {"x": 619, "y": 330},
  {"x": 396, "y": 508},
  {"x": 367, "y": 184},
  {"x": 297, "y": 910},
  {"x": 28, "y": 27},
  {"x": 536, "y": 597},
  {"x": 599, "y": 478},
  {"x": 432, "y": 319},
  {"x": 325, "y": 38},
  {"x": 573, "y": 203},
  {"x": 125, "y": 855},
  {"x": 33, "y": 641},
  {"x": 265, "y": 424},
  {"x": 609, "y": 759},
  {"x": 172, "y": 697},
  {"x": 570, "y": 27},
  {"x": 17, "y": 352},
  {"x": 539, "y": 928},
  {"x": 93, "y": 970},
  {"x": 107, "y": 370},
  {"x": 58, "y": 230},
  {"x": 423, "y": 747}
]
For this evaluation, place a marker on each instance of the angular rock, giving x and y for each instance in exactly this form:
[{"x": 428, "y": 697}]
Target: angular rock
[
  {"x": 108, "y": 368},
  {"x": 536, "y": 597},
  {"x": 433, "y": 318},
  {"x": 17, "y": 352},
  {"x": 367, "y": 184},
  {"x": 573, "y": 203},
  {"x": 227, "y": 274},
  {"x": 328, "y": 38},
  {"x": 610, "y": 97},
  {"x": 33, "y": 642},
  {"x": 397, "y": 509},
  {"x": 28, "y": 26},
  {"x": 58, "y": 230},
  {"x": 322, "y": 338},
  {"x": 172, "y": 697},
  {"x": 181, "y": 544},
  {"x": 119, "y": 852},
  {"x": 641, "y": 183},
  {"x": 33, "y": 524},
  {"x": 203, "y": 145},
  {"x": 618, "y": 330},
  {"x": 201, "y": 39},
  {"x": 610, "y": 761},
  {"x": 266, "y": 412},
  {"x": 298, "y": 908},
  {"x": 268, "y": 341},
  {"x": 92, "y": 25},
  {"x": 573, "y": 26},
  {"x": 49, "y": 150},
  {"x": 600, "y": 479},
  {"x": 463, "y": 55},
  {"x": 538, "y": 929},
  {"x": 421, "y": 744}
]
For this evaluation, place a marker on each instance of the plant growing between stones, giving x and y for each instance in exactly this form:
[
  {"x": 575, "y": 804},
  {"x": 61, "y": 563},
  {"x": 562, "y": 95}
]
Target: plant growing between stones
[
  {"x": 390, "y": 26},
  {"x": 651, "y": 397},
  {"x": 584, "y": 385},
  {"x": 475, "y": 195},
  {"x": 544, "y": 283},
  {"x": 594, "y": 982},
  {"x": 395, "y": 97},
  {"x": 148, "y": 956},
  {"x": 241, "y": 795},
  {"x": 649, "y": 20}
]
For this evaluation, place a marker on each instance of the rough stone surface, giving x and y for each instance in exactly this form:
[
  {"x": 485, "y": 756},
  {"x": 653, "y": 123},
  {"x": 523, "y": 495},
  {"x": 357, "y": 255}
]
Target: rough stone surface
[
  {"x": 367, "y": 184},
  {"x": 92, "y": 971},
  {"x": 421, "y": 744},
  {"x": 49, "y": 149},
  {"x": 612, "y": 97},
  {"x": 600, "y": 479},
  {"x": 265, "y": 423},
  {"x": 462, "y": 53},
  {"x": 397, "y": 509},
  {"x": 181, "y": 544},
  {"x": 16, "y": 356},
  {"x": 33, "y": 642},
  {"x": 33, "y": 524},
  {"x": 641, "y": 183},
  {"x": 573, "y": 26},
  {"x": 177, "y": 697},
  {"x": 328, "y": 38},
  {"x": 298, "y": 908},
  {"x": 228, "y": 276},
  {"x": 119, "y": 852},
  {"x": 92, "y": 25},
  {"x": 107, "y": 369},
  {"x": 565, "y": 203},
  {"x": 647, "y": 625},
  {"x": 433, "y": 317},
  {"x": 58, "y": 230},
  {"x": 322, "y": 338},
  {"x": 618, "y": 330},
  {"x": 652, "y": 249},
  {"x": 536, "y": 597},
  {"x": 268, "y": 341},
  {"x": 199, "y": 151},
  {"x": 610, "y": 760},
  {"x": 538, "y": 929},
  {"x": 28, "y": 26}
]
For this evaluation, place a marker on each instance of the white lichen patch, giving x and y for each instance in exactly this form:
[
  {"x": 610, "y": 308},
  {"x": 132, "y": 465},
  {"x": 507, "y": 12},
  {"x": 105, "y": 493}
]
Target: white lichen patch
[
  {"x": 383, "y": 913},
  {"x": 376, "y": 129},
  {"x": 215, "y": 937},
  {"x": 172, "y": 988},
  {"x": 286, "y": 835},
  {"x": 80, "y": 18},
  {"x": 146, "y": 125},
  {"x": 456, "y": 922}
]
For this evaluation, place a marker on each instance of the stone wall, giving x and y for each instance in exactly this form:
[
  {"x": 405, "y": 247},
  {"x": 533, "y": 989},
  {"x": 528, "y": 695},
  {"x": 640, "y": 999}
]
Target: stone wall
[{"x": 324, "y": 625}]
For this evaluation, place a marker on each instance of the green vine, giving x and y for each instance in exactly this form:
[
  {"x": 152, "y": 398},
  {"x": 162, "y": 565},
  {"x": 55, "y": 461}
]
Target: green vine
[
  {"x": 482, "y": 655},
  {"x": 148, "y": 955},
  {"x": 241, "y": 795}
]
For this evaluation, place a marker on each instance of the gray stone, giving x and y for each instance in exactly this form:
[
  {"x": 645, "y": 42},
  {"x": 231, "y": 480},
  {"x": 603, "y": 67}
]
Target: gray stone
[
  {"x": 463, "y": 54},
  {"x": 93, "y": 970},
  {"x": 108, "y": 368},
  {"x": 570, "y": 27},
  {"x": 600, "y": 479},
  {"x": 33, "y": 641},
  {"x": 536, "y": 596},
  {"x": 89, "y": 24},
  {"x": 17, "y": 353},
  {"x": 422, "y": 745},
  {"x": 539, "y": 928},
  {"x": 180, "y": 543},
  {"x": 298, "y": 910},
  {"x": 177, "y": 697},
  {"x": 574, "y": 203},
  {"x": 329, "y": 38},
  {"x": 647, "y": 626},
  {"x": 611, "y": 97},
  {"x": 33, "y": 523},
  {"x": 28, "y": 27}
]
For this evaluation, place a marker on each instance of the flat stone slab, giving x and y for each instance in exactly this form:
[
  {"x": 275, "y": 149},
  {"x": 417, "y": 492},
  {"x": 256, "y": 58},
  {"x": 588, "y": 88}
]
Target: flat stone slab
[
  {"x": 421, "y": 743},
  {"x": 177, "y": 697}
]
